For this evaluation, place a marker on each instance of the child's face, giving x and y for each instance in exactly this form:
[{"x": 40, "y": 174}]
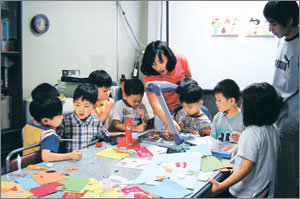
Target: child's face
[
  {"x": 223, "y": 104},
  {"x": 54, "y": 122},
  {"x": 134, "y": 100},
  {"x": 277, "y": 29},
  {"x": 103, "y": 93},
  {"x": 192, "y": 109},
  {"x": 160, "y": 67},
  {"x": 82, "y": 108}
]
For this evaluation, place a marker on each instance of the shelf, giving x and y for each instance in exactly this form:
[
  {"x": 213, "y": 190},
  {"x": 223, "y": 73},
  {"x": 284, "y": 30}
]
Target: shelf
[
  {"x": 9, "y": 130},
  {"x": 11, "y": 53}
]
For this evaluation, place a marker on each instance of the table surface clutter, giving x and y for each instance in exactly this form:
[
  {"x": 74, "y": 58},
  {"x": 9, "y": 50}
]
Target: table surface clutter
[{"x": 112, "y": 171}]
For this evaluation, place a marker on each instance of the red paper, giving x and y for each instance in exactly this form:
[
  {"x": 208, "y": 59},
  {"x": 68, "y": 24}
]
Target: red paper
[
  {"x": 14, "y": 188},
  {"x": 143, "y": 152},
  {"x": 46, "y": 189},
  {"x": 72, "y": 195}
]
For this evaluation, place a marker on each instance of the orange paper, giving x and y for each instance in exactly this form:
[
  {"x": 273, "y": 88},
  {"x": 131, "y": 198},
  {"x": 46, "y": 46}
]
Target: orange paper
[{"x": 45, "y": 177}]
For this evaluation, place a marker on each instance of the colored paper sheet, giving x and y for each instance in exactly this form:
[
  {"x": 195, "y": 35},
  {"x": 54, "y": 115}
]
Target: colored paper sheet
[
  {"x": 74, "y": 184},
  {"x": 136, "y": 192},
  {"x": 201, "y": 148},
  {"x": 27, "y": 182},
  {"x": 93, "y": 185},
  {"x": 169, "y": 189},
  {"x": 72, "y": 195},
  {"x": 210, "y": 163},
  {"x": 122, "y": 142},
  {"x": 110, "y": 153},
  {"x": 133, "y": 163},
  {"x": 119, "y": 182},
  {"x": 45, "y": 177},
  {"x": 46, "y": 189},
  {"x": 143, "y": 152},
  {"x": 89, "y": 195},
  {"x": 10, "y": 189},
  {"x": 112, "y": 194},
  {"x": 182, "y": 168}
]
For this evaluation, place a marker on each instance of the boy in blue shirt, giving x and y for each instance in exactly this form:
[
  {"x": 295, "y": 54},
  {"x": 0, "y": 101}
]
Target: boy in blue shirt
[
  {"x": 47, "y": 114},
  {"x": 228, "y": 124},
  {"x": 131, "y": 106}
]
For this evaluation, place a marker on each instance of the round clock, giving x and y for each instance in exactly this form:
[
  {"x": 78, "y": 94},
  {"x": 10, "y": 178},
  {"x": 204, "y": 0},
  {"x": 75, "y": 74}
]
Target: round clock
[{"x": 40, "y": 23}]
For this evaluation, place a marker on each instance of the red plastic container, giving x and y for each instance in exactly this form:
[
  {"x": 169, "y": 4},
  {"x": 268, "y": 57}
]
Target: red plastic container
[{"x": 128, "y": 133}]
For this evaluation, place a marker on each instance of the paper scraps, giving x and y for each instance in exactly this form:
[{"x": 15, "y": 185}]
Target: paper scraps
[{"x": 133, "y": 163}]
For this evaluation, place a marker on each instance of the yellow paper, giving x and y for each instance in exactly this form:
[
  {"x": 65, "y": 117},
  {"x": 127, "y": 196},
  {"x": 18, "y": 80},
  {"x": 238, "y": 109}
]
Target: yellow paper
[
  {"x": 89, "y": 195},
  {"x": 112, "y": 194},
  {"x": 92, "y": 186},
  {"x": 110, "y": 153},
  {"x": 21, "y": 193}
]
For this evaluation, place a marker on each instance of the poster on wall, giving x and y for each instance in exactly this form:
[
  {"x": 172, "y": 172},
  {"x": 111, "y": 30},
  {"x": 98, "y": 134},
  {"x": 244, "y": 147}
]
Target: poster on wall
[
  {"x": 225, "y": 26},
  {"x": 258, "y": 27}
]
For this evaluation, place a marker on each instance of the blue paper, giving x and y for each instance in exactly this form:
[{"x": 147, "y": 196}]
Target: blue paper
[
  {"x": 201, "y": 148},
  {"x": 27, "y": 182},
  {"x": 159, "y": 162},
  {"x": 169, "y": 189}
]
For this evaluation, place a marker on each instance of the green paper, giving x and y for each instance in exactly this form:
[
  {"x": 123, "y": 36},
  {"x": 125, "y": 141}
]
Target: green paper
[
  {"x": 74, "y": 184},
  {"x": 210, "y": 163}
]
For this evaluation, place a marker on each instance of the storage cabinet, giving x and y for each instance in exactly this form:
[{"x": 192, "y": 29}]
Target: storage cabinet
[{"x": 11, "y": 77}]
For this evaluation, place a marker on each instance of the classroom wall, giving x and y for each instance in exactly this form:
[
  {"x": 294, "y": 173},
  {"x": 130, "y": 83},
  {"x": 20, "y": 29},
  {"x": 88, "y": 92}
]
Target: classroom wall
[
  {"x": 82, "y": 35},
  {"x": 211, "y": 59}
]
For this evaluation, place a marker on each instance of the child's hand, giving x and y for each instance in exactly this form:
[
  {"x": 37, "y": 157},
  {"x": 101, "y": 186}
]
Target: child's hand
[
  {"x": 76, "y": 155},
  {"x": 215, "y": 189},
  {"x": 176, "y": 125},
  {"x": 235, "y": 136},
  {"x": 109, "y": 103},
  {"x": 139, "y": 128}
]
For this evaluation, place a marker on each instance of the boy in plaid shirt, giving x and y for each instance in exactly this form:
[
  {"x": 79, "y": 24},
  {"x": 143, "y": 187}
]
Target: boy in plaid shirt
[{"x": 81, "y": 125}]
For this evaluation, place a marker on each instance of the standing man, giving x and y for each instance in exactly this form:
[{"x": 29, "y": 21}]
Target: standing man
[{"x": 283, "y": 17}]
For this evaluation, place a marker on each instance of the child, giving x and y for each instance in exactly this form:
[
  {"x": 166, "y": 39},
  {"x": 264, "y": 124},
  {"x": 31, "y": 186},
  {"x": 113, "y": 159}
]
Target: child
[
  {"x": 191, "y": 118},
  {"x": 131, "y": 106},
  {"x": 256, "y": 158},
  {"x": 229, "y": 121},
  {"x": 283, "y": 18},
  {"x": 104, "y": 103},
  {"x": 46, "y": 112},
  {"x": 81, "y": 125}
]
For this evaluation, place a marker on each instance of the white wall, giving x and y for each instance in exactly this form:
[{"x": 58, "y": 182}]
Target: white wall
[
  {"x": 82, "y": 35},
  {"x": 243, "y": 59}
]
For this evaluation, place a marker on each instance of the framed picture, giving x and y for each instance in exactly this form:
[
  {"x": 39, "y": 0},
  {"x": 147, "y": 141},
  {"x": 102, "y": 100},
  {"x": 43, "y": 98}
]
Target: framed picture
[
  {"x": 225, "y": 26},
  {"x": 258, "y": 27}
]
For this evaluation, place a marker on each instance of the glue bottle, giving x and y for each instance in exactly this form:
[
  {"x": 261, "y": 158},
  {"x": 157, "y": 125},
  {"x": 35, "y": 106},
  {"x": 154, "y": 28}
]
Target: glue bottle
[
  {"x": 106, "y": 184},
  {"x": 128, "y": 132}
]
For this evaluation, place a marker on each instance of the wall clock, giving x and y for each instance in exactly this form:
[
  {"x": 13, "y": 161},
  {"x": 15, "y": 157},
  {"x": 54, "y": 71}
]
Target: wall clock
[{"x": 40, "y": 23}]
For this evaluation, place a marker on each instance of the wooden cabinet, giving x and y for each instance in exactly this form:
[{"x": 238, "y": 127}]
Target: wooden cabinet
[{"x": 11, "y": 77}]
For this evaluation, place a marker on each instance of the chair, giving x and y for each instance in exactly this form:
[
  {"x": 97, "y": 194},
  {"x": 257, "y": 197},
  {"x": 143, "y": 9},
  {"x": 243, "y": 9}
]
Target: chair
[
  {"x": 264, "y": 192},
  {"x": 32, "y": 158}
]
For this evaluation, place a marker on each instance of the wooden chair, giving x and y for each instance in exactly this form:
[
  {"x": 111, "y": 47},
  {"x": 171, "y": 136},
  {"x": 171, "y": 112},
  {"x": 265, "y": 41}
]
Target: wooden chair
[
  {"x": 32, "y": 158},
  {"x": 264, "y": 192}
]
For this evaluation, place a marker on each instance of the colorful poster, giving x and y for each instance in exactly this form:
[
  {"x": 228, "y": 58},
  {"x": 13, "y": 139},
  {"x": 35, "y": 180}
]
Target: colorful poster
[
  {"x": 225, "y": 26},
  {"x": 258, "y": 27}
]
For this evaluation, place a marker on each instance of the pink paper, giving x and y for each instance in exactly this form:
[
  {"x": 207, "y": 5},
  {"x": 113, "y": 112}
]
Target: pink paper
[
  {"x": 137, "y": 193},
  {"x": 46, "y": 189},
  {"x": 72, "y": 195},
  {"x": 143, "y": 152},
  {"x": 122, "y": 142}
]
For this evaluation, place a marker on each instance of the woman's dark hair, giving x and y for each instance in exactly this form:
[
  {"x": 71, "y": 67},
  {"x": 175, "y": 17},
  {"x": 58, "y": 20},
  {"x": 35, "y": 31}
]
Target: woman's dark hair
[
  {"x": 45, "y": 107},
  {"x": 100, "y": 78},
  {"x": 44, "y": 89},
  {"x": 134, "y": 87},
  {"x": 229, "y": 89},
  {"x": 86, "y": 91},
  {"x": 153, "y": 49},
  {"x": 281, "y": 11},
  {"x": 260, "y": 104}
]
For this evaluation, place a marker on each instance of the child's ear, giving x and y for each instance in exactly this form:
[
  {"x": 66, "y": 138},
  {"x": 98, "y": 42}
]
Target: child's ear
[
  {"x": 44, "y": 121},
  {"x": 232, "y": 100},
  {"x": 200, "y": 102}
]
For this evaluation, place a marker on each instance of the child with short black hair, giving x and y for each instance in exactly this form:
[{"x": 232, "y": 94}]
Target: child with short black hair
[
  {"x": 256, "y": 158},
  {"x": 131, "y": 106},
  {"x": 228, "y": 124},
  {"x": 81, "y": 125},
  {"x": 191, "y": 118},
  {"x": 104, "y": 103},
  {"x": 44, "y": 89},
  {"x": 47, "y": 114}
]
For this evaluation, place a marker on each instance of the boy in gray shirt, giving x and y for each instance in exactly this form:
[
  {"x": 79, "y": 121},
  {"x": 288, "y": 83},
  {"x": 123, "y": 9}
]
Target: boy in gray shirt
[{"x": 131, "y": 106}]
